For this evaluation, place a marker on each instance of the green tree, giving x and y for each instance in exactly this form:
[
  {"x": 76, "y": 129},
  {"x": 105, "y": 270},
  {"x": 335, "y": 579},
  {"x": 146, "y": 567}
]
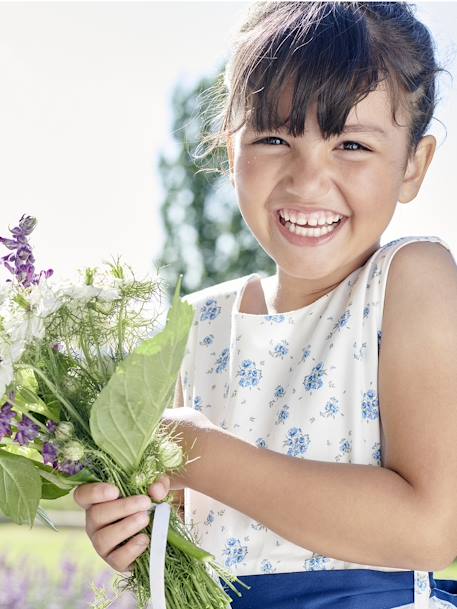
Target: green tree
[{"x": 207, "y": 239}]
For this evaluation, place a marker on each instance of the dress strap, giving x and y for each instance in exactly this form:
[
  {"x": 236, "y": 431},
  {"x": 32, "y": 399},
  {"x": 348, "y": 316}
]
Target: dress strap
[{"x": 422, "y": 589}]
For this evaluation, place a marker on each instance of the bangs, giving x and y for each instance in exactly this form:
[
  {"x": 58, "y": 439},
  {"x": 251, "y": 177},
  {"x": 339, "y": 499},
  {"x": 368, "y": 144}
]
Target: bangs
[{"x": 321, "y": 55}]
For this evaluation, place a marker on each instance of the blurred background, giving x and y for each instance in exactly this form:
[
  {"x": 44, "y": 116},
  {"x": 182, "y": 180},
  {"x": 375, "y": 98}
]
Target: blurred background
[{"x": 99, "y": 114}]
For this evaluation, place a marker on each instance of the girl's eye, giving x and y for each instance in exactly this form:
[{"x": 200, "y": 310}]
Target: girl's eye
[
  {"x": 355, "y": 144},
  {"x": 273, "y": 137},
  {"x": 270, "y": 137}
]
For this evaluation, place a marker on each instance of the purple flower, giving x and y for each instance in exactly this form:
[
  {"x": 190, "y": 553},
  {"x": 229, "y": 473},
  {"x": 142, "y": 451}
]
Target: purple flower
[
  {"x": 70, "y": 467},
  {"x": 6, "y": 416},
  {"x": 50, "y": 453},
  {"x": 51, "y": 425},
  {"x": 23, "y": 258},
  {"x": 27, "y": 431}
]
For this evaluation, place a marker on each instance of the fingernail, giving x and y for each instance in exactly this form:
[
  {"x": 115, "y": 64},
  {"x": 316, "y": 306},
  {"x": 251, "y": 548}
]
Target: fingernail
[
  {"x": 143, "y": 541},
  {"x": 159, "y": 490}
]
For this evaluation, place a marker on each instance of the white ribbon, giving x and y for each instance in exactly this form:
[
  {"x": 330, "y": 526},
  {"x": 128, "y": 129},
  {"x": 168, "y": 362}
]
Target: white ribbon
[{"x": 157, "y": 552}]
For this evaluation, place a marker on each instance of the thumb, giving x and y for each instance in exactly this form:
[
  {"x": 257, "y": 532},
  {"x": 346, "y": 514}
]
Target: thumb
[{"x": 160, "y": 489}]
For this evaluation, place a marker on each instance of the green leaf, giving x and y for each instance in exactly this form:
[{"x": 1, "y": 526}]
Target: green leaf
[
  {"x": 45, "y": 519},
  {"x": 27, "y": 401},
  {"x": 62, "y": 481},
  {"x": 20, "y": 488},
  {"x": 51, "y": 491},
  {"x": 130, "y": 406}
]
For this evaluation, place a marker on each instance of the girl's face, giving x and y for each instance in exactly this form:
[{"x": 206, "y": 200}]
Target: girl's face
[{"x": 358, "y": 174}]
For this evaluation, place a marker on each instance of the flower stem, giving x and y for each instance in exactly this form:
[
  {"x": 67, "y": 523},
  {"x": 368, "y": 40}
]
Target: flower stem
[{"x": 74, "y": 413}]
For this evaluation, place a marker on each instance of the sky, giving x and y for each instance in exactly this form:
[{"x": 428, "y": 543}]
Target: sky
[{"x": 85, "y": 112}]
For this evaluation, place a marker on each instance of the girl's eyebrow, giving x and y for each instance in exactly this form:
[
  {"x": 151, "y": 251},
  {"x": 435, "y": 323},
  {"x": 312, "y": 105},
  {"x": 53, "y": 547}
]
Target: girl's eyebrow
[{"x": 358, "y": 128}]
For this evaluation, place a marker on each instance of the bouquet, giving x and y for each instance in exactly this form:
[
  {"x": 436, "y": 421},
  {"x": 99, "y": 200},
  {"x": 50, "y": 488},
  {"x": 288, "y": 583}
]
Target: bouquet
[{"x": 83, "y": 386}]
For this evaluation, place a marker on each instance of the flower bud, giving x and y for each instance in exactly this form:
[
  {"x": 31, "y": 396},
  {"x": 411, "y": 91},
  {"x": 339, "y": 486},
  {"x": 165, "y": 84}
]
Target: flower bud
[
  {"x": 170, "y": 454},
  {"x": 73, "y": 451},
  {"x": 64, "y": 430},
  {"x": 139, "y": 479}
]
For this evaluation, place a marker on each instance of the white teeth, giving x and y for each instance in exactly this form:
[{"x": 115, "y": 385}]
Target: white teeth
[
  {"x": 310, "y": 232},
  {"x": 310, "y": 219}
]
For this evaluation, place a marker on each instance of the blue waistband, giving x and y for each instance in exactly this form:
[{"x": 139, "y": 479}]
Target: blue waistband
[{"x": 337, "y": 589}]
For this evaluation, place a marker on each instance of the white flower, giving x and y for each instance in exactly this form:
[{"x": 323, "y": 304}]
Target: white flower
[
  {"x": 42, "y": 298},
  {"x": 6, "y": 372},
  {"x": 24, "y": 326},
  {"x": 73, "y": 451}
]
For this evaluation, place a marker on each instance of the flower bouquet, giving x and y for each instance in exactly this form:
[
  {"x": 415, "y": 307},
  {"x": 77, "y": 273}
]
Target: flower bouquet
[{"x": 83, "y": 387}]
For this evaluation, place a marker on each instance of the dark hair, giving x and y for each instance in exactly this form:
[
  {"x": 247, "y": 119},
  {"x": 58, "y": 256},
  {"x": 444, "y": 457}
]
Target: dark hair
[{"x": 334, "y": 54}]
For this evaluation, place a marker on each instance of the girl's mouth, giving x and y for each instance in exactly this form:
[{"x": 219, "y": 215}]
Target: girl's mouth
[{"x": 328, "y": 232}]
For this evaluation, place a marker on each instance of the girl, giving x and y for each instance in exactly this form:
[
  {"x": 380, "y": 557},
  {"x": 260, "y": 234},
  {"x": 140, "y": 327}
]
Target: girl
[{"x": 322, "y": 397}]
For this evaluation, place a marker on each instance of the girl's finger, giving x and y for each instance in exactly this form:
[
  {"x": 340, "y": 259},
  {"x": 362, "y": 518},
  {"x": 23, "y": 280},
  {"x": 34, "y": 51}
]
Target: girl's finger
[
  {"x": 105, "y": 540},
  {"x": 103, "y": 514},
  {"x": 87, "y": 494},
  {"x": 123, "y": 558},
  {"x": 160, "y": 489}
]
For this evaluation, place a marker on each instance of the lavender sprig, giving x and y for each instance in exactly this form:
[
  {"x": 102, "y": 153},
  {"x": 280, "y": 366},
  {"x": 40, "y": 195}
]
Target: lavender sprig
[{"x": 23, "y": 258}]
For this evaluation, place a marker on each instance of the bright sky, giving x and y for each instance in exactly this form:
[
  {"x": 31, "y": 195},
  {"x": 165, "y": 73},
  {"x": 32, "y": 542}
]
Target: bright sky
[{"x": 85, "y": 111}]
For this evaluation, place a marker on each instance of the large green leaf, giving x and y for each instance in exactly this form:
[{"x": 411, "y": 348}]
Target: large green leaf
[
  {"x": 128, "y": 409},
  {"x": 20, "y": 488}
]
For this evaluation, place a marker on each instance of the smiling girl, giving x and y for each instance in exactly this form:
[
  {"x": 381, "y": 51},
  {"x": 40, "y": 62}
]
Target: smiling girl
[{"x": 323, "y": 397}]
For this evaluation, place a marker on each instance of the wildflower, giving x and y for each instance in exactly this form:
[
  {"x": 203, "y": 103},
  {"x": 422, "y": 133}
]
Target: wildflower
[
  {"x": 50, "y": 452},
  {"x": 70, "y": 467},
  {"x": 27, "y": 431},
  {"x": 6, "y": 416},
  {"x": 51, "y": 425},
  {"x": 23, "y": 259}
]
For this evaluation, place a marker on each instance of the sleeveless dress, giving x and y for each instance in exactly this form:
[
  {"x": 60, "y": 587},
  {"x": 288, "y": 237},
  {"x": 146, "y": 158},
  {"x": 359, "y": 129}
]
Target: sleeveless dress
[{"x": 302, "y": 383}]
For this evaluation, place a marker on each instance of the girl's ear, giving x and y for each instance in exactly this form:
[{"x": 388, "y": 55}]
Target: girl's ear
[{"x": 417, "y": 168}]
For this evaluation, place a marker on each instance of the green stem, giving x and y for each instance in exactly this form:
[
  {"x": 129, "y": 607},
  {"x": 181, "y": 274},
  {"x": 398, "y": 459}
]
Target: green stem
[
  {"x": 181, "y": 543},
  {"x": 64, "y": 402}
]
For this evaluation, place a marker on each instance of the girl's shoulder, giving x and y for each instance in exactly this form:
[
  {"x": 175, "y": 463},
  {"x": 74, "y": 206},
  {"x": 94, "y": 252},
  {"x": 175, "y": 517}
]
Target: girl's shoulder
[{"x": 216, "y": 294}]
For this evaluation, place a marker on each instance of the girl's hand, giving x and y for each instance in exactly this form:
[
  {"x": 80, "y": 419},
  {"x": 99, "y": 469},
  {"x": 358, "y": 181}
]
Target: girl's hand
[
  {"x": 190, "y": 426},
  {"x": 111, "y": 521}
]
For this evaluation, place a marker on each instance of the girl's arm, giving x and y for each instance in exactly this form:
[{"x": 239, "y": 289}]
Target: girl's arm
[{"x": 403, "y": 514}]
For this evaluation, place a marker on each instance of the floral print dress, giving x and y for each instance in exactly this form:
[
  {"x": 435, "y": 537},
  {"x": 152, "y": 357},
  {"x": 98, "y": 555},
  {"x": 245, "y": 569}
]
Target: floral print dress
[{"x": 302, "y": 383}]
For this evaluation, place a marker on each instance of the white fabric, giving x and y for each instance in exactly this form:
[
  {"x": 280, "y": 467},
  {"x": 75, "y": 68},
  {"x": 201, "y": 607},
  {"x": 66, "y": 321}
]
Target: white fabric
[{"x": 303, "y": 383}]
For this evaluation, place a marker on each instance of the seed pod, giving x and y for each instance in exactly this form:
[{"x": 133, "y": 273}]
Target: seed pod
[
  {"x": 170, "y": 454},
  {"x": 64, "y": 430},
  {"x": 73, "y": 451}
]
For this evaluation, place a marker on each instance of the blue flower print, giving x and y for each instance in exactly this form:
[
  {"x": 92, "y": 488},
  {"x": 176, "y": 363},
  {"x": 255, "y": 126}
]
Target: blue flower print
[
  {"x": 314, "y": 380},
  {"x": 362, "y": 351},
  {"x": 250, "y": 375},
  {"x": 316, "y": 563},
  {"x": 275, "y": 318},
  {"x": 377, "y": 454},
  {"x": 260, "y": 443},
  {"x": 370, "y": 406},
  {"x": 306, "y": 353},
  {"x": 279, "y": 391},
  {"x": 266, "y": 566},
  {"x": 283, "y": 415},
  {"x": 366, "y": 311},
  {"x": 197, "y": 403},
  {"x": 297, "y": 442},
  {"x": 222, "y": 360},
  {"x": 210, "y": 310},
  {"x": 210, "y": 518},
  {"x": 342, "y": 321},
  {"x": 234, "y": 551},
  {"x": 331, "y": 408},
  {"x": 345, "y": 446},
  {"x": 208, "y": 340},
  {"x": 281, "y": 349}
]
